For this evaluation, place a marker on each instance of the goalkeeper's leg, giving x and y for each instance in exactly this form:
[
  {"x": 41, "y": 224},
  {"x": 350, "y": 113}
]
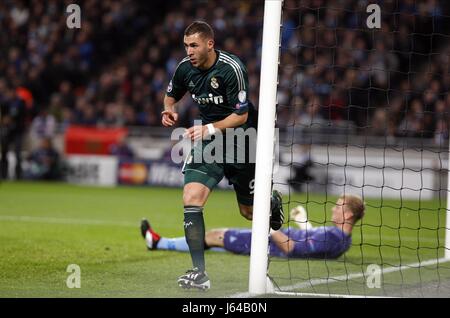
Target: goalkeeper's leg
[{"x": 151, "y": 237}]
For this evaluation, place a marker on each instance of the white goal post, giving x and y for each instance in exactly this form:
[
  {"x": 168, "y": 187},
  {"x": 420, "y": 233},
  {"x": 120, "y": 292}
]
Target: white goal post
[{"x": 265, "y": 145}]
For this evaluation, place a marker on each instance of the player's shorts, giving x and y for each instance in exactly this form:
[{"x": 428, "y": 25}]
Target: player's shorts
[
  {"x": 210, "y": 173},
  {"x": 239, "y": 241}
]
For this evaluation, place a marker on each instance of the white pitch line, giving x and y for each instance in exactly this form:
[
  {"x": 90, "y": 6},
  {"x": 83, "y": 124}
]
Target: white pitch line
[
  {"x": 343, "y": 278},
  {"x": 327, "y": 295},
  {"x": 39, "y": 219}
]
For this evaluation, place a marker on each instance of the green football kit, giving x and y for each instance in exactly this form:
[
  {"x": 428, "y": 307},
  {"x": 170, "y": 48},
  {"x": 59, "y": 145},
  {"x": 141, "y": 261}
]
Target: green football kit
[{"x": 219, "y": 92}]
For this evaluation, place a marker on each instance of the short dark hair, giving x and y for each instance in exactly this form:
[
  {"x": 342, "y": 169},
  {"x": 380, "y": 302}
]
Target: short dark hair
[
  {"x": 200, "y": 27},
  {"x": 355, "y": 204}
]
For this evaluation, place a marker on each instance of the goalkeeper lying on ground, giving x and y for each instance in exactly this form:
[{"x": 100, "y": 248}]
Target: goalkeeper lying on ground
[{"x": 306, "y": 242}]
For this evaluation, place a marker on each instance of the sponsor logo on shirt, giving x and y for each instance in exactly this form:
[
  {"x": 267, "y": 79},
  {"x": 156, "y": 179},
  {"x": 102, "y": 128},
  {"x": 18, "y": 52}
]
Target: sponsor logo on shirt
[{"x": 211, "y": 99}]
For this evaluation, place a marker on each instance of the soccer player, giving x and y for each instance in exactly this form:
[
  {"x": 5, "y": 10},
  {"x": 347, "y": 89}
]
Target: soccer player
[
  {"x": 325, "y": 242},
  {"x": 218, "y": 83}
]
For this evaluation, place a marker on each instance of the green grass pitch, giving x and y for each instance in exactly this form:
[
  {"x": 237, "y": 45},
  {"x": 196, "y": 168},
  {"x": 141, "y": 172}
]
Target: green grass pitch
[{"x": 44, "y": 227}]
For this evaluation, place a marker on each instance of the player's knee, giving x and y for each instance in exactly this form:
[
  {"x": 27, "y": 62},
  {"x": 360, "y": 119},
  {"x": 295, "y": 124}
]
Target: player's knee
[
  {"x": 247, "y": 212},
  {"x": 193, "y": 198}
]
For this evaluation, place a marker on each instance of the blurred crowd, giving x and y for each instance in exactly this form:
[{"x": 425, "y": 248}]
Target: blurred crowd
[
  {"x": 334, "y": 70},
  {"x": 393, "y": 81}
]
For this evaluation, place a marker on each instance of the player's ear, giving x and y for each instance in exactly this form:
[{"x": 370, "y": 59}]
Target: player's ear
[
  {"x": 210, "y": 43},
  {"x": 348, "y": 214}
]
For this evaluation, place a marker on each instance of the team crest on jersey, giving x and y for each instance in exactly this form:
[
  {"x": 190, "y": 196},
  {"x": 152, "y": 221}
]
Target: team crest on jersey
[{"x": 214, "y": 83}]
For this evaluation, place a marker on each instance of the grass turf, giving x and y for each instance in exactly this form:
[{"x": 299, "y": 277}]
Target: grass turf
[{"x": 44, "y": 227}]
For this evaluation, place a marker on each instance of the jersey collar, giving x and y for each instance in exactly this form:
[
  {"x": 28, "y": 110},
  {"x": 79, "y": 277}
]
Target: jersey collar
[{"x": 215, "y": 62}]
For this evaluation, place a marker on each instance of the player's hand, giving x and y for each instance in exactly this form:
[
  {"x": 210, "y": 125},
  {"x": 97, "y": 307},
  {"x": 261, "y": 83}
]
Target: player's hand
[
  {"x": 196, "y": 132},
  {"x": 169, "y": 118}
]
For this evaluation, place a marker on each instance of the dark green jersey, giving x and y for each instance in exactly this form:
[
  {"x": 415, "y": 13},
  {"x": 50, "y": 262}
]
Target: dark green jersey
[{"x": 219, "y": 91}]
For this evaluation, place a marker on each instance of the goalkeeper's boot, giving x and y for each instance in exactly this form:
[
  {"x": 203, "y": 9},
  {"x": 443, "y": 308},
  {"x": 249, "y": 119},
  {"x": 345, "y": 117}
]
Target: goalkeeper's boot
[
  {"x": 150, "y": 236},
  {"x": 276, "y": 208},
  {"x": 194, "y": 278}
]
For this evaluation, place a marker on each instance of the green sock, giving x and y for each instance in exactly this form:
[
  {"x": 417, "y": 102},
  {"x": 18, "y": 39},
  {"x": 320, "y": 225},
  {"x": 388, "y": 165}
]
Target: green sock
[{"x": 194, "y": 230}]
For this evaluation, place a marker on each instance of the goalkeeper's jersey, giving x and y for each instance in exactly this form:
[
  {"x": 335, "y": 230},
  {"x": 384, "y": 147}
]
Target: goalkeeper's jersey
[
  {"x": 319, "y": 242},
  {"x": 218, "y": 91}
]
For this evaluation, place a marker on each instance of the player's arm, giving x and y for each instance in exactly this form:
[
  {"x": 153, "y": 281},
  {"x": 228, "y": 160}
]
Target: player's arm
[
  {"x": 169, "y": 115},
  {"x": 175, "y": 91},
  {"x": 316, "y": 244},
  {"x": 282, "y": 241},
  {"x": 214, "y": 237},
  {"x": 231, "y": 121}
]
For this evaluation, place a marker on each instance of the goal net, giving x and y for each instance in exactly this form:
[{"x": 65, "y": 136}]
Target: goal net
[{"x": 363, "y": 108}]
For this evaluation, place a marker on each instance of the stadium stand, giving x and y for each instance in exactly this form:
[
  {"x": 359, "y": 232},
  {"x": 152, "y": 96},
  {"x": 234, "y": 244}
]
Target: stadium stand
[{"x": 112, "y": 72}]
